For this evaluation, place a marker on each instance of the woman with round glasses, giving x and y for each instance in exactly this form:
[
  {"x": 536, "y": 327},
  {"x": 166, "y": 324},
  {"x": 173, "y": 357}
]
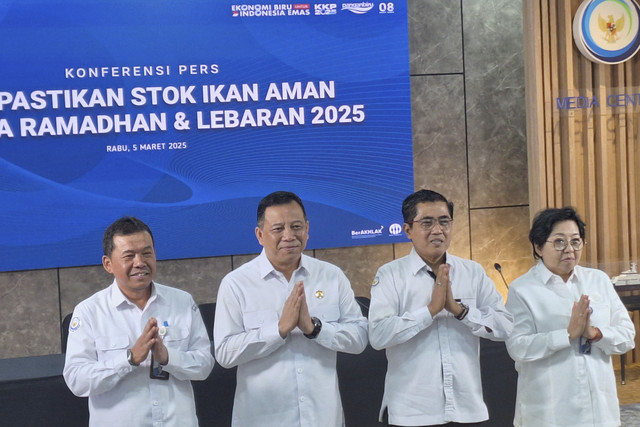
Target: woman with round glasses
[{"x": 568, "y": 321}]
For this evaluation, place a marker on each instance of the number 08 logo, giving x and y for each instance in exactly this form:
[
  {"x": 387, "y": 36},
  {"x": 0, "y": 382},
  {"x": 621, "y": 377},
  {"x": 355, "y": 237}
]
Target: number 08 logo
[{"x": 386, "y": 7}]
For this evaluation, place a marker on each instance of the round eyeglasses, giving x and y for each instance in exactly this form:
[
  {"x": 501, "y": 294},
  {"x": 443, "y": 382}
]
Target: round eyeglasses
[
  {"x": 561, "y": 244},
  {"x": 428, "y": 223}
]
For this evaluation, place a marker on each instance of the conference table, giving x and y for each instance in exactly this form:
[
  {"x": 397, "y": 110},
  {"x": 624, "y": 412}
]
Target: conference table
[{"x": 33, "y": 392}]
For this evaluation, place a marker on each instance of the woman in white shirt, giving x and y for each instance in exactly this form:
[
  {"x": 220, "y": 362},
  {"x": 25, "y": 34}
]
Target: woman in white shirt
[{"x": 568, "y": 321}]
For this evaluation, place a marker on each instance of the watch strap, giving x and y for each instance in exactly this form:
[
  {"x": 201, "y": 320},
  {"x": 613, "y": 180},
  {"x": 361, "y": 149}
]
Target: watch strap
[
  {"x": 130, "y": 358},
  {"x": 317, "y": 326},
  {"x": 464, "y": 312}
]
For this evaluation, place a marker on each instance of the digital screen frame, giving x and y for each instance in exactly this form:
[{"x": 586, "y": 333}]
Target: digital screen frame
[{"x": 186, "y": 113}]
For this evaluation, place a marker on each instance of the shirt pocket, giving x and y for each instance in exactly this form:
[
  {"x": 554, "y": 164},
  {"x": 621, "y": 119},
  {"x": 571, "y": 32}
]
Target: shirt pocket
[
  {"x": 257, "y": 319},
  {"x": 177, "y": 338},
  {"x": 111, "y": 346},
  {"x": 326, "y": 313},
  {"x": 601, "y": 314}
]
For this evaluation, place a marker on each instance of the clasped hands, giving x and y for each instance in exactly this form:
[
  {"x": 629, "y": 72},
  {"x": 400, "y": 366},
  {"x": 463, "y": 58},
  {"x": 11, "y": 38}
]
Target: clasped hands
[
  {"x": 442, "y": 296},
  {"x": 150, "y": 341},
  {"x": 580, "y": 321},
  {"x": 295, "y": 312}
]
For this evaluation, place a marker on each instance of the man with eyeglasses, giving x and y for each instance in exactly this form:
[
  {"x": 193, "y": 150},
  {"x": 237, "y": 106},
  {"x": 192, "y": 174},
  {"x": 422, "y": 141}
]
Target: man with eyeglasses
[{"x": 428, "y": 310}]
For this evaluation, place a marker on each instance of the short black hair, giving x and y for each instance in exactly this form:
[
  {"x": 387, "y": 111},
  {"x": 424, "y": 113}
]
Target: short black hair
[
  {"x": 123, "y": 227},
  {"x": 409, "y": 206},
  {"x": 277, "y": 198},
  {"x": 546, "y": 219}
]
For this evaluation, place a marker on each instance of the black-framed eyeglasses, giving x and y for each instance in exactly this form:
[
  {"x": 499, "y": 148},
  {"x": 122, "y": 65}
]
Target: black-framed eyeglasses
[
  {"x": 428, "y": 223},
  {"x": 561, "y": 244}
]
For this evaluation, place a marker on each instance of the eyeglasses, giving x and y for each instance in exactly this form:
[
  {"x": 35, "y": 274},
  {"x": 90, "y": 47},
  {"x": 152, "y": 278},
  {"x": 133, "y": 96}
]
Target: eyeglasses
[
  {"x": 428, "y": 223},
  {"x": 561, "y": 244}
]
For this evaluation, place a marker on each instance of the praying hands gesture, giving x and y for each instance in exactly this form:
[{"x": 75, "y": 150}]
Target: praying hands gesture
[
  {"x": 580, "y": 321},
  {"x": 150, "y": 341},
  {"x": 295, "y": 312}
]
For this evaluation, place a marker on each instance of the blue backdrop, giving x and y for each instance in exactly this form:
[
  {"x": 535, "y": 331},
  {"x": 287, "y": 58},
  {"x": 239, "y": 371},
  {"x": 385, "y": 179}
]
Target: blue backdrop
[{"x": 186, "y": 113}]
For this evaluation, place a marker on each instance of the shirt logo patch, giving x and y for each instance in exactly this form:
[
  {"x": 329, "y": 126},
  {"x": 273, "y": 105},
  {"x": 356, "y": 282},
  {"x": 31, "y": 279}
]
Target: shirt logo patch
[{"x": 74, "y": 325}]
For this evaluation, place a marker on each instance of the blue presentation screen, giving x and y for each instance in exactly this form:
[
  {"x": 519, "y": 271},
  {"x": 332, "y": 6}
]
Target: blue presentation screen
[{"x": 186, "y": 113}]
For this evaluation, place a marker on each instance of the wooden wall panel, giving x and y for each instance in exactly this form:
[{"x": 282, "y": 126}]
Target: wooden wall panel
[{"x": 584, "y": 157}]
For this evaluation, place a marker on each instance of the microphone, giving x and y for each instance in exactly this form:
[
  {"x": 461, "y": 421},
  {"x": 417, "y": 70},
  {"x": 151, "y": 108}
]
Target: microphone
[{"x": 499, "y": 268}]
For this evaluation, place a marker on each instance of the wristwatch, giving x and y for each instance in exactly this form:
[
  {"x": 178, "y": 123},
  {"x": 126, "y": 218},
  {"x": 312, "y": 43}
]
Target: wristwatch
[
  {"x": 130, "y": 358},
  {"x": 464, "y": 312},
  {"x": 317, "y": 326}
]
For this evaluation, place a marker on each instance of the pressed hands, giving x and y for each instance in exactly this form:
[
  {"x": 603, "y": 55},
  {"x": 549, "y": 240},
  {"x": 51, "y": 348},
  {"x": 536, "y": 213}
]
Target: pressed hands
[
  {"x": 441, "y": 296},
  {"x": 295, "y": 312},
  {"x": 150, "y": 341},
  {"x": 580, "y": 321}
]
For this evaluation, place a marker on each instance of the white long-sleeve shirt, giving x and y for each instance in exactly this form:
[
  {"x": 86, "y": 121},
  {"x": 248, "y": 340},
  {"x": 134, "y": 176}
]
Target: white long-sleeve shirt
[
  {"x": 557, "y": 384},
  {"x": 291, "y": 381},
  {"x": 104, "y": 326},
  {"x": 433, "y": 374}
]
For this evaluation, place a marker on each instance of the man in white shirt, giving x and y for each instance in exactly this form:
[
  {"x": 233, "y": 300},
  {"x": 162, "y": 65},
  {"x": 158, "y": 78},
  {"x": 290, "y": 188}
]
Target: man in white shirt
[
  {"x": 134, "y": 347},
  {"x": 428, "y": 310},
  {"x": 281, "y": 318}
]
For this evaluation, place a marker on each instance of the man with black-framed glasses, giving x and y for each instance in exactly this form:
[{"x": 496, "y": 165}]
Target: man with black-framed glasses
[{"x": 428, "y": 310}]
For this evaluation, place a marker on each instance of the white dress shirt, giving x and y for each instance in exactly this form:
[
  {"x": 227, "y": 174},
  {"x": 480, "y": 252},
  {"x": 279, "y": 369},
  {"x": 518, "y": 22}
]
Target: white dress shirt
[
  {"x": 104, "y": 326},
  {"x": 557, "y": 384},
  {"x": 292, "y": 381},
  {"x": 433, "y": 374}
]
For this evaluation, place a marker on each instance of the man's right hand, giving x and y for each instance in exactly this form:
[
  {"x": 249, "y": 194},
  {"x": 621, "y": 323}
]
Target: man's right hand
[
  {"x": 439, "y": 292},
  {"x": 291, "y": 310}
]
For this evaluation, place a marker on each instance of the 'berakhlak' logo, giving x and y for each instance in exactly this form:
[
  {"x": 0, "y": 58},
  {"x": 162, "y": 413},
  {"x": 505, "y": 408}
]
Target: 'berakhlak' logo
[{"x": 607, "y": 31}]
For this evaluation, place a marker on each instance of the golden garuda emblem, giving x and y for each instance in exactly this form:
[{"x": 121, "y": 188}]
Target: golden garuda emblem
[{"x": 610, "y": 27}]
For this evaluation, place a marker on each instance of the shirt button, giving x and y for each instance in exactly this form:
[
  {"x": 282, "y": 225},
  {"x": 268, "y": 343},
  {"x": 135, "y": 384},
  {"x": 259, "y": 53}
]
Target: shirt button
[
  {"x": 156, "y": 403},
  {"x": 299, "y": 370},
  {"x": 302, "y": 399}
]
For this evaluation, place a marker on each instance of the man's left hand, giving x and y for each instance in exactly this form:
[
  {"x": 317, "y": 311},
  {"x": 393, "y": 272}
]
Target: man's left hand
[
  {"x": 304, "y": 320},
  {"x": 159, "y": 350}
]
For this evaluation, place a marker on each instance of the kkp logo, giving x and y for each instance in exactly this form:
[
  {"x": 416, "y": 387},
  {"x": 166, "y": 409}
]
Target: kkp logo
[
  {"x": 607, "y": 31},
  {"x": 325, "y": 9}
]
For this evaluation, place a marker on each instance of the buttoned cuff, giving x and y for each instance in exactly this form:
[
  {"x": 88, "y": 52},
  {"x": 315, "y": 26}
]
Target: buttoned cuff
[
  {"x": 473, "y": 316},
  {"x": 271, "y": 334},
  {"x": 423, "y": 317},
  {"x": 173, "y": 356},
  {"x": 327, "y": 334},
  {"x": 559, "y": 339},
  {"x": 122, "y": 365}
]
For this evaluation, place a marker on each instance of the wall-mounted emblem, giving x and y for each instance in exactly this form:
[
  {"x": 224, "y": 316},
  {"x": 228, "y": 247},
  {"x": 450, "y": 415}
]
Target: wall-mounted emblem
[{"x": 607, "y": 31}]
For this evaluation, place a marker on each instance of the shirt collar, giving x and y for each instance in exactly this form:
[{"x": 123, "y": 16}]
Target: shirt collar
[
  {"x": 548, "y": 277},
  {"x": 266, "y": 268},
  {"x": 417, "y": 263},
  {"x": 118, "y": 298}
]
